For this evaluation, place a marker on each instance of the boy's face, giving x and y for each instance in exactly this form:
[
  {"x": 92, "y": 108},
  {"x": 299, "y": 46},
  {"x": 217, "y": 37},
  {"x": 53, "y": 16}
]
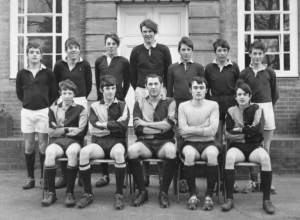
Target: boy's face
[
  {"x": 111, "y": 46},
  {"x": 153, "y": 86},
  {"x": 185, "y": 53},
  {"x": 67, "y": 96},
  {"x": 221, "y": 53},
  {"x": 242, "y": 97},
  {"x": 148, "y": 35},
  {"x": 73, "y": 52},
  {"x": 34, "y": 56},
  {"x": 198, "y": 91},
  {"x": 257, "y": 56},
  {"x": 109, "y": 92}
]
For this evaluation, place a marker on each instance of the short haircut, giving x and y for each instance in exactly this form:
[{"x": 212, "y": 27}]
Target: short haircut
[
  {"x": 240, "y": 84},
  {"x": 257, "y": 45},
  {"x": 72, "y": 41},
  {"x": 221, "y": 43},
  {"x": 34, "y": 46},
  {"x": 107, "y": 80},
  {"x": 149, "y": 24},
  {"x": 153, "y": 75},
  {"x": 187, "y": 41},
  {"x": 113, "y": 36},
  {"x": 199, "y": 80},
  {"x": 67, "y": 85}
]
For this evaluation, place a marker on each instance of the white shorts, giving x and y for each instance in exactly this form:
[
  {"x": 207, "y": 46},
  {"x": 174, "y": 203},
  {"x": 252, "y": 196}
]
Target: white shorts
[
  {"x": 143, "y": 92},
  {"x": 268, "y": 113},
  {"x": 78, "y": 100},
  {"x": 34, "y": 120}
]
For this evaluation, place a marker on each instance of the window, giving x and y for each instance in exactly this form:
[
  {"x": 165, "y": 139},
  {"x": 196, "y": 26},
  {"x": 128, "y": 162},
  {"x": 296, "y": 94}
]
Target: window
[
  {"x": 274, "y": 22},
  {"x": 41, "y": 21}
]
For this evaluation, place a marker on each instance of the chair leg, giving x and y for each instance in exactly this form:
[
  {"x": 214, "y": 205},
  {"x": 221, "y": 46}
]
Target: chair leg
[
  {"x": 43, "y": 187},
  {"x": 126, "y": 182},
  {"x": 178, "y": 179},
  {"x": 218, "y": 184}
]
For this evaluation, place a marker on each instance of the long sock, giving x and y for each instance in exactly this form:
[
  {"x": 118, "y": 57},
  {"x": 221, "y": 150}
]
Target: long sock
[
  {"x": 182, "y": 173},
  {"x": 50, "y": 172},
  {"x": 30, "y": 161},
  {"x": 137, "y": 172},
  {"x": 104, "y": 167},
  {"x": 229, "y": 182},
  {"x": 42, "y": 160},
  {"x": 63, "y": 168},
  {"x": 72, "y": 174},
  {"x": 190, "y": 174},
  {"x": 212, "y": 178},
  {"x": 266, "y": 182},
  {"x": 120, "y": 176},
  {"x": 85, "y": 172},
  {"x": 168, "y": 174}
]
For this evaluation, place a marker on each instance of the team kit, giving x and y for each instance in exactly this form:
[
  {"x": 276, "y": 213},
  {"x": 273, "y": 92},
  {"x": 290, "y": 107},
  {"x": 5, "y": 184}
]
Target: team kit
[{"x": 182, "y": 114}]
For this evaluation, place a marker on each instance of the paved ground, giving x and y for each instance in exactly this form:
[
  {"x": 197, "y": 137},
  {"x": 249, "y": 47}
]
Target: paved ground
[{"x": 16, "y": 203}]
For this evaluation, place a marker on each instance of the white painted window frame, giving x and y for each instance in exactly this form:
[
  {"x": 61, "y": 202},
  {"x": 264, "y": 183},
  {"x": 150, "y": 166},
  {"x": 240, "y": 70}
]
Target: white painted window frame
[
  {"x": 293, "y": 72},
  {"x": 14, "y": 32}
]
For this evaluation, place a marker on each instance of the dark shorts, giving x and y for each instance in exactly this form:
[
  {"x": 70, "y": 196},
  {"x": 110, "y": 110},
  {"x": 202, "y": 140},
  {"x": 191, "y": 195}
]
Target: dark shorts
[
  {"x": 154, "y": 145},
  {"x": 199, "y": 146},
  {"x": 107, "y": 143},
  {"x": 225, "y": 102},
  {"x": 246, "y": 149},
  {"x": 63, "y": 142}
]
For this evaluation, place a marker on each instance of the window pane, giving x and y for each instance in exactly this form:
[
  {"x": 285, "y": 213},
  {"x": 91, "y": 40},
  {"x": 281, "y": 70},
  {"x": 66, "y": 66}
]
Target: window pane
[
  {"x": 39, "y": 24},
  {"x": 58, "y": 57},
  {"x": 266, "y": 5},
  {"x": 58, "y": 24},
  {"x": 271, "y": 42},
  {"x": 287, "y": 61},
  {"x": 286, "y": 22},
  {"x": 286, "y": 46},
  {"x": 20, "y": 62},
  {"x": 40, "y": 6},
  {"x": 247, "y": 60},
  {"x": 47, "y": 61},
  {"x": 247, "y": 5},
  {"x": 247, "y": 22},
  {"x": 20, "y": 45},
  {"x": 272, "y": 61},
  {"x": 21, "y": 6},
  {"x": 286, "y": 5},
  {"x": 247, "y": 42},
  {"x": 58, "y": 6},
  {"x": 267, "y": 22},
  {"x": 20, "y": 25},
  {"x": 45, "y": 42},
  {"x": 58, "y": 44}
]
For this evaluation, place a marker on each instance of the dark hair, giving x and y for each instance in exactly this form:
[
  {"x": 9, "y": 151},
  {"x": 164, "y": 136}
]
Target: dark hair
[
  {"x": 199, "y": 80},
  {"x": 240, "y": 84},
  {"x": 34, "y": 46},
  {"x": 149, "y": 24},
  {"x": 153, "y": 75},
  {"x": 107, "y": 80},
  {"x": 257, "y": 45},
  {"x": 113, "y": 36},
  {"x": 72, "y": 41},
  {"x": 187, "y": 41},
  {"x": 221, "y": 43},
  {"x": 67, "y": 85}
]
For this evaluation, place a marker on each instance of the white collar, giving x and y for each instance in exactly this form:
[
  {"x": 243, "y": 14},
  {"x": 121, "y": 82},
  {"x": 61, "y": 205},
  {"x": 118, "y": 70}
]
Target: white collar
[
  {"x": 262, "y": 68},
  {"x": 228, "y": 62},
  {"x": 42, "y": 66},
  {"x": 153, "y": 45},
  {"x": 180, "y": 61},
  {"x": 116, "y": 55},
  {"x": 65, "y": 59}
]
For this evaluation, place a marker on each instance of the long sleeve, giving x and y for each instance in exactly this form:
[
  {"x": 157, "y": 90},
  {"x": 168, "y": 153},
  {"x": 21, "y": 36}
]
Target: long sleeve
[
  {"x": 274, "y": 87},
  {"x": 170, "y": 83},
  {"x": 80, "y": 131},
  {"x": 56, "y": 72},
  {"x": 212, "y": 129},
  {"x": 19, "y": 89},
  {"x": 93, "y": 128},
  {"x": 54, "y": 129},
  {"x": 122, "y": 123},
  {"x": 168, "y": 62},
  {"x": 88, "y": 79},
  {"x": 207, "y": 77},
  {"x": 53, "y": 90},
  {"x": 229, "y": 133},
  {"x": 97, "y": 79},
  {"x": 255, "y": 128},
  {"x": 133, "y": 69},
  {"x": 126, "y": 78},
  {"x": 137, "y": 113}
]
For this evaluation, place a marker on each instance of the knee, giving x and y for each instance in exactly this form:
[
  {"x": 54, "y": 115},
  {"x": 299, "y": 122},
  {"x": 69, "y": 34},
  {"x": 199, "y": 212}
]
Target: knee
[
  {"x": 84, "y": 154},
  {"x": 29, "y": 147},
  {"x": 119, "y": 153},
  {"x": 132, "y": 151},
  {"x": 230, "y": 160},
  {"x": 189, "y": 157},
  {"x": 212, "y": 155},
  {"x": 266, "y": 162},
  {"x": 170, "y": 152},
  {"x": 50, "y": 156}
]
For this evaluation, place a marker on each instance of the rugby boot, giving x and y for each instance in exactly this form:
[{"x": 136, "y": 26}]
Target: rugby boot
[
  {"x": 164, "y": 200},
  {"x": 208, "y": 204},
  {"x": 147, "y": 181},
  {"x": 251, "y": 187},
  {"x": 236, "y": 189},
  {"x": 193, "y": 202},
  {"x": 29, "y": 184},
  {"x": 50, "y": 198},
  {"x": 229, "y": 204},
  {"x": 70, "y": 200},
  {"x": 61, "y": 182},
  {"x": 104, "y": 180},
  {"x": 85, "y": 200},
  {"x": 183, "y": 187},
  {"x": 268, "y": 207},
  {"x": 119, "y": 201},
  {"x": 140, "y": 198}
]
